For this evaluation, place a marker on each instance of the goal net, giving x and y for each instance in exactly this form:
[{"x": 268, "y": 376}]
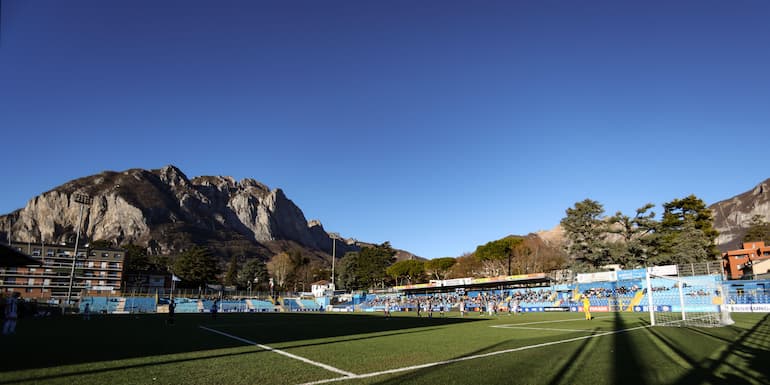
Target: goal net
[{"x": 686, "y": 301}]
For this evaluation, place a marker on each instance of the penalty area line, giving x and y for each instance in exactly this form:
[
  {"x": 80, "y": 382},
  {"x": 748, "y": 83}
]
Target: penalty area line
[
  {"x": 546, "y": 329},
  {"x": 545, "y": 322},
  {"x": 454, "y": 360},
  {"x": 281, "y": 352}
]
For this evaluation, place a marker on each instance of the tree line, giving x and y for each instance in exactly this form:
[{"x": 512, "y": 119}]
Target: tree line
[{"x": 683, "y": 234}]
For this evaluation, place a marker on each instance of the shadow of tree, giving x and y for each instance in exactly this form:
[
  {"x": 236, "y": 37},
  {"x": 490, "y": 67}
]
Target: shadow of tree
[{"x": 42, "y": 343}]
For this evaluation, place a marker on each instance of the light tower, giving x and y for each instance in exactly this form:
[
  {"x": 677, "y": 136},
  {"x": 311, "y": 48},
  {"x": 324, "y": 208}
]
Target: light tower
[
  {"x": 83, "y": 200},
  {"x": 334, "y": 237}
]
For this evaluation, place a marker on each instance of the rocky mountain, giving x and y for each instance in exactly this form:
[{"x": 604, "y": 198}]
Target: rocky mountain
[
  {"x": 168, "y": 212},
  {"x": 732, "y": 216}
]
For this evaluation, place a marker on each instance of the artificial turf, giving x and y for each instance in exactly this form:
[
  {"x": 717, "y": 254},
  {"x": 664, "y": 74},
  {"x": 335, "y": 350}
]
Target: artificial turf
[{"x": 532, "y": 348}]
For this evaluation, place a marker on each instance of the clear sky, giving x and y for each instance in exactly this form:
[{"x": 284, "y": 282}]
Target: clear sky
[{"x": 435, "y": 125}]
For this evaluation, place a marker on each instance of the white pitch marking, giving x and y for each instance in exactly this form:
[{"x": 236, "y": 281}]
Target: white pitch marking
[
  {"x": 546, "y": 322},
  {"x": 415, "y": 367},
  {"x": 287, "y": 354},
  {"x": 553, "y": 329}
]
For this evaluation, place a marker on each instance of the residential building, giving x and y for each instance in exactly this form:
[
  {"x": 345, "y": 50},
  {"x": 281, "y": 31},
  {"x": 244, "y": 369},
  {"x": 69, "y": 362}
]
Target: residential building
[
  {"x": 736, "y": 263},
  {"x": 98, "y": 271}
]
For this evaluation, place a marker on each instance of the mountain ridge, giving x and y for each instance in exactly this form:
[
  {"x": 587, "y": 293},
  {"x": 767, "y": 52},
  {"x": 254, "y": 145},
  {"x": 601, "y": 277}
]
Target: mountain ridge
[{"x": 169, "y": 212}]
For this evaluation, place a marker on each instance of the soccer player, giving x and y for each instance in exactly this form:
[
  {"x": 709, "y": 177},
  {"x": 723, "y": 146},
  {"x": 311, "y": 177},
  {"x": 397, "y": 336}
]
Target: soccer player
[
  {"x": 587, "y": 307},
  {"x": 214, "y": 309},
  {"x": 11, "y": 314},
  {"x": 171, "y": 309}
]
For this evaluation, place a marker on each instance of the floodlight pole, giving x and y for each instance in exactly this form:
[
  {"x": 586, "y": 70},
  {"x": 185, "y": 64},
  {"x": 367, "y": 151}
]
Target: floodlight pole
[
  {"x": 84, "y": 200},
  {"x": 334, "y": 237}
]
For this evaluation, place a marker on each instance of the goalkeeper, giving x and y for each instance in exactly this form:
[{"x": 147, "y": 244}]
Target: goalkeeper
[{"x": 587, "y": 307}]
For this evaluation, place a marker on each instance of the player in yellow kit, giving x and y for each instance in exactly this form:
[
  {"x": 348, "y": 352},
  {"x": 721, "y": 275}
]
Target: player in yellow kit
[{"x": 587, "y": 307}]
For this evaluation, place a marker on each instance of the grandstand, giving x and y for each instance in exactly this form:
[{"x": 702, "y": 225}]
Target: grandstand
[{"x": 622, "y": 290}]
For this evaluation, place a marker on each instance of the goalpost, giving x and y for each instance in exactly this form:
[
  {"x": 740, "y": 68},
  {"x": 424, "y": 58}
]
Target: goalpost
[{"x": 686, "y": 301}]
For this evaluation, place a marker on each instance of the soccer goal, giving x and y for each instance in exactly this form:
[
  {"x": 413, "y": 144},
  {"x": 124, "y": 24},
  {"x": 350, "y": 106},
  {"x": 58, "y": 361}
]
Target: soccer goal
[{"x": 686, "y": 301}]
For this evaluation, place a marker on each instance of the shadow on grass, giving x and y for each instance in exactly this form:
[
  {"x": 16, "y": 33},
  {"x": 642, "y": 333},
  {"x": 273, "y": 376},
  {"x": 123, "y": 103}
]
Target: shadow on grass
[
  {"x": 625, "y": 368},
  {"x": 75, "y": 374},
  {"x": 570, "y": 364},
  {"x": 418, "y": 375},
  {"x": 756, "y": 357},
  {"x": 43, "y": 343}
]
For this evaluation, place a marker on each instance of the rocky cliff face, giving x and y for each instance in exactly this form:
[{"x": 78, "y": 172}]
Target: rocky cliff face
[
  {"x": 732, "y": 216},
  {"x": 166, "y": 211}
]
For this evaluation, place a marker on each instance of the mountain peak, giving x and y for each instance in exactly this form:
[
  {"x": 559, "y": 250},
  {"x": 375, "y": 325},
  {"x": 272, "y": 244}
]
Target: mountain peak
[
  {"x": 733, "y": 215},
  {"x": 164, "y": 209}
]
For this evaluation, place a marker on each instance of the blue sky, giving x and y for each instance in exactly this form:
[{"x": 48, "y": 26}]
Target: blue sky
[{"x": 435, "y": 125}]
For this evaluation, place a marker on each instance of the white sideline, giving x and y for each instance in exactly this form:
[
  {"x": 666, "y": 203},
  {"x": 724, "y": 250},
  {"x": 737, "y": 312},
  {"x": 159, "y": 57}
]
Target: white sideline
[
  {"x": 415, "y": 367},
  {"x": 287, "y": 354}
]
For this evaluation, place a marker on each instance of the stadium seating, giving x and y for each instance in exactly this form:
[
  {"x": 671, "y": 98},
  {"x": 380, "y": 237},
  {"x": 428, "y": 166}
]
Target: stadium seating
[
  {"x": 309, "y": 304},
  {"x": 261, "y": 306},
  {"x": 140, "y": 304},
  {"x": 100, "y": 304}
]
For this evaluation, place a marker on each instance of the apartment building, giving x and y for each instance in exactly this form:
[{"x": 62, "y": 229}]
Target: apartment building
[
  {"x": 97, "y": 271},
  {"x": 739, "y": 262}
]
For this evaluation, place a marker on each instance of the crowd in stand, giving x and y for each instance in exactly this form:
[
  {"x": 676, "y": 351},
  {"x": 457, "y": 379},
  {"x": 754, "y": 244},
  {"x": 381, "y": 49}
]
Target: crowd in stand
[
  {"x": 497, "y": 298},
  {"x": 603, "y": 292}
]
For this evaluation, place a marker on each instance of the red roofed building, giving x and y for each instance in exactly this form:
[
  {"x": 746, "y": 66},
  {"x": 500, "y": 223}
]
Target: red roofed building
[{"x": 736, "y": 261}]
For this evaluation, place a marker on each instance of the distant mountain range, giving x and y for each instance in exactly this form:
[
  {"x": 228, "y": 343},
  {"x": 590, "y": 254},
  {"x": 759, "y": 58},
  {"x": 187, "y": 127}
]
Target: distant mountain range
[{"x": 168, "y": 212}]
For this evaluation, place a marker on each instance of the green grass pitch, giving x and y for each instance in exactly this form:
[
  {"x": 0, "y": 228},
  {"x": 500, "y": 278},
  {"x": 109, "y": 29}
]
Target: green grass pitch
[{"x": 305, "y": 348}]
